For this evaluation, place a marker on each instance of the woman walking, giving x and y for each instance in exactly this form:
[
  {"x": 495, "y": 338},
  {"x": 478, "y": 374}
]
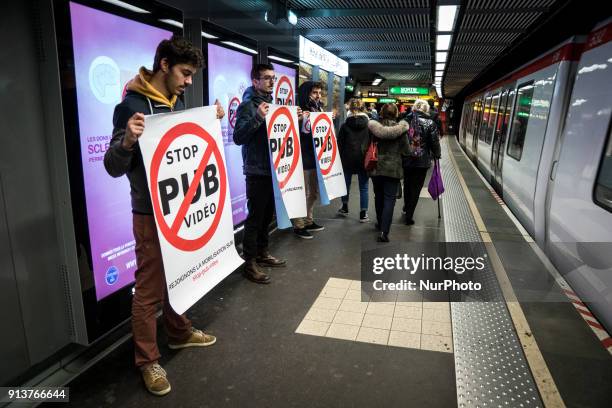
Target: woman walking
[
  {"x": 423, "y": 147},
  {"x": 392, "y": 142},
  {"x": 353, "y": 139}
]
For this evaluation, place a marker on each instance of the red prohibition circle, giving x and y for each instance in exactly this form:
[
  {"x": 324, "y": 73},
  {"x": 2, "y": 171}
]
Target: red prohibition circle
[
  {"x": 283, "y": 110},
  {"x": 168, "y": 232},
  {"x": 328, "y": 135},
  {"x": 284, "y": 79},
  {"x": 231, "y": 119}
]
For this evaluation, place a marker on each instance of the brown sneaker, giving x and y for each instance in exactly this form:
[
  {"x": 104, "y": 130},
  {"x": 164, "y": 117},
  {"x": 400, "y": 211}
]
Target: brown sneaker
[
  {"x": 197, "y": 339},
  {"x": 265, "y": 259},
  {"x": 155, "y": 379},
  {"x": 253, "y": 273}
]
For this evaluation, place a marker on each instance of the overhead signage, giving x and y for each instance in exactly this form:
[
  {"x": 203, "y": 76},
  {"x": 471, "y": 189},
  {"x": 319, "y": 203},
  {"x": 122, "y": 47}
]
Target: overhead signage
[
  {"x": 408, "y": 90},
  {"x": 387, "y": 100},
  {"x": 377, "y": 93},
  {"x": 314, "y": 54},
  {"x": 350, "y": 88},
  {"x": 370, "y": 100}
]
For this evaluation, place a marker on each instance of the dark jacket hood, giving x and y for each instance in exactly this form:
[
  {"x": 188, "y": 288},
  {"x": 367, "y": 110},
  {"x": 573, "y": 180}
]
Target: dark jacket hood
[{"x": 358, "y": 122}]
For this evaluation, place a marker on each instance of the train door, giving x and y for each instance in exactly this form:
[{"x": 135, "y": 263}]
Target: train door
[
  {"x": 499, "y": 141},
  {"x": 477, "y": 117}
]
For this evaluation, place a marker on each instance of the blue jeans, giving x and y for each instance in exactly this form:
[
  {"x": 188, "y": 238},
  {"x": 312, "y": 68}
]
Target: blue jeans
[
  {"x": 362, "y": 176},
  {"x": 385, "y": 193}
]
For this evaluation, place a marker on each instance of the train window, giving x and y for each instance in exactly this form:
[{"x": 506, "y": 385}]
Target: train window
[
  {"x": 491, "y": 121},
  {"x": 522, "y": 109},
  {"x": 476, "y": 117},
  {"x": 502, "y": 117},
  {"x": 603, "y": 186},
  {"x": 485, "y": 119}
]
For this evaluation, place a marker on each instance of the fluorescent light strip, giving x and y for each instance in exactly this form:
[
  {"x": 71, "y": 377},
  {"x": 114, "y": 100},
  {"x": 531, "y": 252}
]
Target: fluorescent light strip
[
  {"x": 441, "y": 56},
  {"x": 210, "y": 36},
  {"x": 439, "y": 72},
  {"x": 292, "y": 17},
  {"x": 446, "y": 18},
  {"x": 443, "y": 42},
  {"x": 172, "y": 22},
  {"x": 274, "y": 57},
  {"x": 440, "y": 66},
  {"x": 240, "y": 47},
  {"x": 127, "y": 6}
]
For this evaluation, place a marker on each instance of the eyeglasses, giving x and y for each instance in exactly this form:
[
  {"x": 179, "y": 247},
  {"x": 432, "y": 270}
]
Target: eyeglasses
[{"x": 268, "y": 78}]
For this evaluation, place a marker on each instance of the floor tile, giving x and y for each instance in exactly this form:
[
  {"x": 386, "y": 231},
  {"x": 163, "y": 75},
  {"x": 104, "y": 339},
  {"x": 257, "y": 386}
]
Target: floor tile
[
  {"x": 353, "y": 306},
  {"x": 408, "y": 312},
  {"x": 342, "y": 331},
  {"x": 351, "y": 318},
  {"x": 357, "y": 295},
  {"x": 436, "y": 315},
  {"x": 377, "y": 321},
  {"x": 327, "y": 303},
  {"x": 383, "y": 309},
  {"x": 407, "y": 325},
  {"x": 338, "y": 283},
  {"x": 436, "y": 343},
  {"x": 355, "y": 285},
  {"x": 335, "y": 293},
  {"x": 370, "y": 335},
  {"x": 320, "y": 315},
  {"x": 404, "y": 339},
  {"x": 436, "y": 305},
  {"x": 437, "y": 328},
  {"x": 313, "y": 328}
]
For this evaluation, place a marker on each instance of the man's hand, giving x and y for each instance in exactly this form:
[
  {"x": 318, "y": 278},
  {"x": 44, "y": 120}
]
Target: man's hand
[
  {"x": 333, "y": 115},
  {"x": 263, "y": 109},
  {"x": 299, "y": 112},
  {"x": 133, "y": 130},
  {"x": 220, "y": 110}
]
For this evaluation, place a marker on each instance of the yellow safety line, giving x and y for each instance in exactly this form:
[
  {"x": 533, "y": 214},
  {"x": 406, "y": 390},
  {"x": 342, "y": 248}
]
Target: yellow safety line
[{"x": 544, "y": 381}]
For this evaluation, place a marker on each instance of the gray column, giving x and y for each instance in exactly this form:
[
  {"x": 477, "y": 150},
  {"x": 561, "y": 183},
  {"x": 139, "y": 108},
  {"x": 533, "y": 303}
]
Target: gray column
[
  {"x": 342, "y": 112},
  {"x": 330, "y": 90},
  {"x": 315, "y": 73}
]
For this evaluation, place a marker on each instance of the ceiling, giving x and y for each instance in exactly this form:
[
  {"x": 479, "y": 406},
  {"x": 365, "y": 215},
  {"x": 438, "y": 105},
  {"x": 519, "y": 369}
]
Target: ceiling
[{"x": 392, "y": 39}]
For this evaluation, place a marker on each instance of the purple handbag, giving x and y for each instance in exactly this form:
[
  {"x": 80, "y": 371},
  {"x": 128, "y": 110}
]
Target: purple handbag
[{"x": 436, "y": 187}]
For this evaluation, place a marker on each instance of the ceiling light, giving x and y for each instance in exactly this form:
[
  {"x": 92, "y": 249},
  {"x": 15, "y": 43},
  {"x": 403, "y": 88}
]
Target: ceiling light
[
  {"x": 441, "y": 56},
  {"x": 172, "y": 22},
  {"x": 127, "y": 6},
  {"x": 376, "y": 81},
  {"x": 440, "y": 66},
  {"x": 446, "y": 18},
  {"x": 292, "y": 17},
  {"x": 443, "y": 42},
  {"x": 274, "y": 57},
  {"x": 210, "y": 36},
  {"x": 240, "y": 47},
  {"x": 439, "y": 72}
]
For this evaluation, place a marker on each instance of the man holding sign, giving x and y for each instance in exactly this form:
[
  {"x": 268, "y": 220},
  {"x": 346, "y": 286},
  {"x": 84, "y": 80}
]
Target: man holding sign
[
  {"x": 152, "y": 92},
  {"x": 251, "y": 133}
]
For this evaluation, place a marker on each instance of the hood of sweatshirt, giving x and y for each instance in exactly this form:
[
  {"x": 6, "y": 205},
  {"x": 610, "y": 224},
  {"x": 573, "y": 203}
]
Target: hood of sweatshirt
[
  {"x": 358, "y": 121},
  {"x": 140, "y": 83}
]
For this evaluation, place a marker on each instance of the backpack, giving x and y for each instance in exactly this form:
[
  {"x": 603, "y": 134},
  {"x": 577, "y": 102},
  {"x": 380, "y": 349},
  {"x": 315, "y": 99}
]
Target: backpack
[{"x": 416, "y": 144}]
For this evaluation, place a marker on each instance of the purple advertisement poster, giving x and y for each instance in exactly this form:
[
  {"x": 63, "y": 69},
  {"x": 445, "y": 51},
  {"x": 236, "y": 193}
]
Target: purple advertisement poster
[
  {"x": 228, "y": 77},
  {"x": 108, "y": 51}
]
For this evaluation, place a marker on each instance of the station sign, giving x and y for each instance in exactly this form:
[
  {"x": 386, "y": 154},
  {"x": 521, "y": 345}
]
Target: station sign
[
  {"x": 314, "y": 54},
  {"x": 408, "y": 90},
  {"x": 377, "y": 93},
  {"x": 387, "y": 100},
  {"x": 370, "y": 100}
]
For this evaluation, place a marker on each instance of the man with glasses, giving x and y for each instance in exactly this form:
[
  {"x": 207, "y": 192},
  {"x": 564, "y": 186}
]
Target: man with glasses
[{"x": 250, "y": 132}]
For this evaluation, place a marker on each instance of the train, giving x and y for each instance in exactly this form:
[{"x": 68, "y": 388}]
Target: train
[{"x": 541, "y": 136}]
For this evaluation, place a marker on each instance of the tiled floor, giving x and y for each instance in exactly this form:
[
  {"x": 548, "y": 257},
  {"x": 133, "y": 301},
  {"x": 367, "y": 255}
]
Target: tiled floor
[{"x": 340, "y": 312}]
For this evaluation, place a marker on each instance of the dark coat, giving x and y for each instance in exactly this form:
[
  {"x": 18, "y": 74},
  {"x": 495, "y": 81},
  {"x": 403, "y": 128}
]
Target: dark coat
[
  {"x": 429, "y": 133},
  {"x": 306, "y": 144},
  {"x": 119, "y": 161},
  {"x": 392, "y": 140},
  {"x": 251, "y": 133},
  {"x": 353, "y": 140}
]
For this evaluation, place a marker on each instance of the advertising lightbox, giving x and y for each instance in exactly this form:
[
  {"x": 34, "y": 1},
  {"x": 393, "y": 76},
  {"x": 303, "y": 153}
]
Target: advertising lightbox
[
  {"x": 108, "y": 51},
  {"x": 229, "y": 75}
]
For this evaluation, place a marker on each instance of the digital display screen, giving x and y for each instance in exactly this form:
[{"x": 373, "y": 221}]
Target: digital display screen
[
  {"x": 229, "y": 75},
  {"x": 108, "y": 51}
]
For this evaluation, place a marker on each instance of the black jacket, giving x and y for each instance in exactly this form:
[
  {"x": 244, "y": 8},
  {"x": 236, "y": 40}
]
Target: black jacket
[
  {"x": 119, "y": 161},
  {"x": 431, "y": 137},
  {"x": 306, "y": 145},
  {"x": 251, "y": 133},
  {"x": 353, "y": 140}
]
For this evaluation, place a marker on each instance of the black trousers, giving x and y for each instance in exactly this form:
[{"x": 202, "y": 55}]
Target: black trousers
[
  {"x": 414, "y": 178},
  {"x": 385, "y": 193},
  {"x": 260, "y": 203}
]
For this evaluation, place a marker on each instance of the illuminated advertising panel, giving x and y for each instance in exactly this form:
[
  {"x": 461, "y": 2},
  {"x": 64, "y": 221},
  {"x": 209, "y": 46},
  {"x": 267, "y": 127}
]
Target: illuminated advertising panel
[
  {"x": 229, "y": 74},
  {"x": 108, "y": 51}
]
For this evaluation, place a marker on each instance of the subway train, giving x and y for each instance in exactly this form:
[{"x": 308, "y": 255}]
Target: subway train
[{"x": 541, "y": 137}]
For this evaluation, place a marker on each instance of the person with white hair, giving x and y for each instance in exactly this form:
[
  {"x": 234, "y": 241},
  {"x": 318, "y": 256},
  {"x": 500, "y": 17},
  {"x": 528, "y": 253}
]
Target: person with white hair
[{"x": 424, "y": 147}]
